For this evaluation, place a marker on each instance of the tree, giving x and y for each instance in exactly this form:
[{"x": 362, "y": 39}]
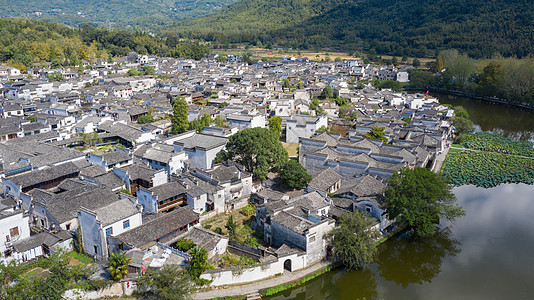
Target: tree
[
  {"x": 198, "y": 262},
  {"x": 91, "y": 139},
  {"x": 416, "y": 62},
  {"x": 314, "y": 104},
  {"x": 184, "y": 245},
  {"x": 462, "y": 125},
  {"x": 134, "y": 72},
  {"x": 419, "y": 198},
  {"x": 340, "y": 101},
  {"x": 377, "y": 133},
  {"x": 179, "y": 118},
  {"x": 275, "y": 125},
  {"x": 148, "y": 70},
  {"x": 220, "y": 58},
  {"x": 145, "y": 119},
  {"x": 258, "y": 149},
  {"x": 55, "y": 76},
  {"x": 286, "y": 84},
  {"x": 231, "y": 226},
  {"x": 169, "y": 282},
  {"x": 327, "y": 92},
  {"x": 461, "y": 112},
  {"x": 353, "y": 241},
  {"x": 293, "y": 175},
  {"x": 118, "y": 266},
  {"x": 490, "y": 79}
]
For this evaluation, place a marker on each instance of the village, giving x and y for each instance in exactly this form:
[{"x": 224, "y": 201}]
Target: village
[{"x": 87, "y": 155}]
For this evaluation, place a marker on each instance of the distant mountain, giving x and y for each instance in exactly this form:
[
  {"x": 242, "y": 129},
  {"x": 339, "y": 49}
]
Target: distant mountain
[
  {"x": 118, "y": 14},
  {"x": 398, "y": 27}
]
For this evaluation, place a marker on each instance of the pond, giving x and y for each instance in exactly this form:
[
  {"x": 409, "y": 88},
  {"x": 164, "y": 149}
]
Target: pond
[
  {"x": 487, "y": 254},
  {"x": 496, "y": 118}
]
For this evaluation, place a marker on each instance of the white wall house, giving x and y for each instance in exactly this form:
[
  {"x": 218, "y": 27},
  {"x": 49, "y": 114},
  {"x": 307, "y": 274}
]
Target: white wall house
[
  {"x": 113, "y": 219},
  {"x": 200, "y": 148},
  {"x": 14, "y": 226},
  {"x": 303, "y": 126},
  {"x": 240, "y": 121}
]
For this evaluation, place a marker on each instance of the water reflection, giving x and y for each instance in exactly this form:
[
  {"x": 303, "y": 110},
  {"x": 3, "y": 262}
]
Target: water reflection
[
  {"x": 497, "y": 118},
  {"x": 416, "y": 260},
  {"x": 487, "y": 254}
]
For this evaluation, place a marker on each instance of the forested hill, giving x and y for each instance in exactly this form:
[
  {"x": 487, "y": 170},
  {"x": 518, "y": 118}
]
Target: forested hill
[
  {"x": 399, "y": 27},
  {"x": 25, "y": 43},
  {"x": 117, "y": 14}
]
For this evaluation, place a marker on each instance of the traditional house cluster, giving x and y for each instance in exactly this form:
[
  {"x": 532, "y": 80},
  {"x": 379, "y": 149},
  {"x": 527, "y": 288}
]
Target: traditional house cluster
[{"x": 91, "y": 156}]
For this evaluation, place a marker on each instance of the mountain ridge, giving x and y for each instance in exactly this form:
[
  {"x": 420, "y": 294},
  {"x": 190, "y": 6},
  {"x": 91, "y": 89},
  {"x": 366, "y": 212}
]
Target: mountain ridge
[
  {"x": 118, "y": 14},
  {"x": 410, "y": 27}
]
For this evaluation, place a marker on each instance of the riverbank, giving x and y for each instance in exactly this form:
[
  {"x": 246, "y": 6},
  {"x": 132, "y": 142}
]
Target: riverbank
[
  {"x": 254, "y": 288},
  {"x": 493, "y": 100}
]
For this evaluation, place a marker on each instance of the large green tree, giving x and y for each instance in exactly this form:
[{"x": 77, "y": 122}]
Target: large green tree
[
  {"x": 293, "y": 175},
  {"x": 198, "y": 262},
  {"x": 258, "y": 149},
  {"x": 463, "y": 125},
  {"x": 419, "y": 199},
  {"x": 118, "y": 265},
  {"x": 179, "y": 118},
  {"x": 327, "y": 92},
  {"x": 275, "y": 125},
  {"x": 352, "y": 241},
  {"x": 169, "y": 282}
]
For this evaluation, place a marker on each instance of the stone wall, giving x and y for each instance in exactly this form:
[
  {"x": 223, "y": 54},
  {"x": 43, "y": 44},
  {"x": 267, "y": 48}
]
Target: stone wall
[{"x": 237, "y": 275}]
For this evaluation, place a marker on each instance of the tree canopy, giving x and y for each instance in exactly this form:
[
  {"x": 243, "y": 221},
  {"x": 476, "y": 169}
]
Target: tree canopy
[
  {"x": 275, "y": 125},
  {"x": 327, "y": 92},
  {"x": 377, "y": 133},
  {"x": 352, "y": 241},
  {"x": 118, "y": 265},
  {"x": 179, "y": 118},
  {"x": 419, "y": 198},
  {"x": 258, "y": 149},
  {"x": 198, "y": 262},
  {"x": 169, "y": 282},
  {"x": 293, "y": 175}
]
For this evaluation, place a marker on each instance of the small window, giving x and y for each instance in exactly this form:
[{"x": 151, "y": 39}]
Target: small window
[
  {"x": 109, "y": 231},
  {"x": 126, "y": 224},
  {"x": 312, "y": 238},
  {"x": 13, "y": 232}
]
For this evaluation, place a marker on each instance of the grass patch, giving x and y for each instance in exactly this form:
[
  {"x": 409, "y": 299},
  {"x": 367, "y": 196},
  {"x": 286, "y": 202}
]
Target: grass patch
[
  {"x": 292, "y": 149},
  {"x": 84, "y": 259},
  {"x": 456, "y": 150}
]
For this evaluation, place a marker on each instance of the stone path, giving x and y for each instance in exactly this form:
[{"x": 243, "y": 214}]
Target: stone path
[{"x": 251, "y": 289}]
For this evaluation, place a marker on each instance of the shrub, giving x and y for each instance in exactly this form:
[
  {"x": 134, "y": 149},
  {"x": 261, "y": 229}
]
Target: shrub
[
  {"x": 184, "y": 245},
  {"x": 249, "y": 210}
]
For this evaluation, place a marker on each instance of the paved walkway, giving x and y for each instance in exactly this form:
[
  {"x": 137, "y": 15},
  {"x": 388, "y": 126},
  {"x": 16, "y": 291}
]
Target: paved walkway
[
  {"x": 254, "y": 287},
  {"x": 440, "y": 158}
]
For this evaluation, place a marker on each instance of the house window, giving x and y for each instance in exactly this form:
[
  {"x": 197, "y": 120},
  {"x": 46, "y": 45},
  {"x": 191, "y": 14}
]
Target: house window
[
  {"x": 13, "y": 232},
  {"x": 109, "y": 231},
  {"x": 126, "y": 224},
  {"x": 312, "y": 238}
]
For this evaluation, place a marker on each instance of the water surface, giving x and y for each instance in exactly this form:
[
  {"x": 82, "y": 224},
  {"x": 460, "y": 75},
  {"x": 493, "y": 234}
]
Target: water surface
[{"x": 487, "y": 254}]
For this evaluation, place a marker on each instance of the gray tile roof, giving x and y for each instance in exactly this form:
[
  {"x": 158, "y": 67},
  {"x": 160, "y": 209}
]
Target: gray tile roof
[
  {"x": 324, "y": 179},
  {"x": 116, "y": 211},
  {"x": 114, "y": 157},
  {"x": 36, "y": 177},
  {"x": 158, "y": 228},
  {"x": 168, "y": 190},
  {"x": 362, "y": 186},
  {"x": 202, "y": 141},
  {"x": 65, "y": 206}
]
